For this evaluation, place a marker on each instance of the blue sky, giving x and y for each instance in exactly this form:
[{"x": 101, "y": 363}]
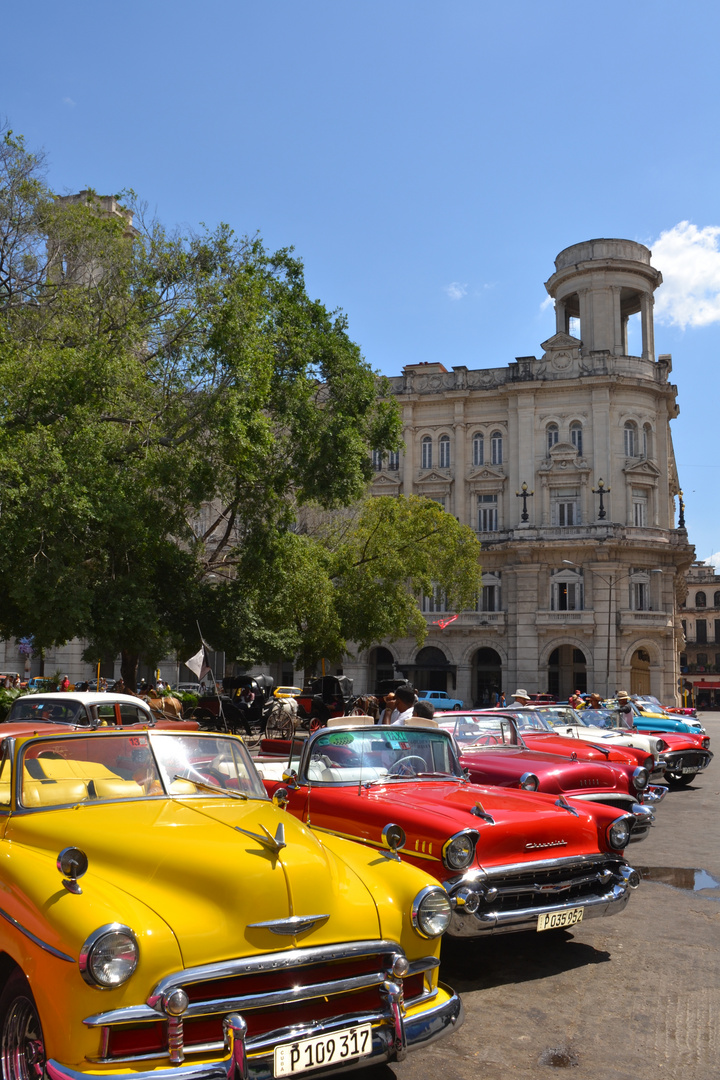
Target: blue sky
[{"x": 427, "y": 160}]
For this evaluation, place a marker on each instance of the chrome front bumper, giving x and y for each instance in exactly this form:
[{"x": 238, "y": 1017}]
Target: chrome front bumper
[
  {"x": 393, "y": 1035},
  {"x": 609, "y": 899}
]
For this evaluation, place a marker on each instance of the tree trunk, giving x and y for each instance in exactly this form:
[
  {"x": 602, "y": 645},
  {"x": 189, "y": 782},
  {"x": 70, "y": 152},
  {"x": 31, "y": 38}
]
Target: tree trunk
[{"x": 128, "y": 669}]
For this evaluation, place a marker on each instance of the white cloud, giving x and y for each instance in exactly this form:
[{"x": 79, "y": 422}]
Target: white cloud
[
  {"x": 689, "y": 259},
  {"x": 69, "y": 101},
  {"x": 547, "y": 302},
  {"x": 455, "y": 290},
  {"x": 714, "y": 560}
]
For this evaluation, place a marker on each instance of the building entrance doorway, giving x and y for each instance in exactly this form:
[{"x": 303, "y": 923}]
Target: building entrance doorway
[
  {"x": 487, "y": 677},
  {"x": 640, "y": 672},
  {"x": 382, "y": 667},
  {"x": 567, "y": 672}
]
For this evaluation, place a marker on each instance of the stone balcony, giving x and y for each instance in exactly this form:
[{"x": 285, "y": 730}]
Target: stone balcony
[
  {"x": 471, "y": 620},
  {"x": 576, "y": 620},
  {"x": 632, "y": 621}
]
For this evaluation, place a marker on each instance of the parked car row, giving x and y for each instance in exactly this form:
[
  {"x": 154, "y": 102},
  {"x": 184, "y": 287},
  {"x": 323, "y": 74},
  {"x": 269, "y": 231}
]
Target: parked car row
[{"x": 173, "y": 905}]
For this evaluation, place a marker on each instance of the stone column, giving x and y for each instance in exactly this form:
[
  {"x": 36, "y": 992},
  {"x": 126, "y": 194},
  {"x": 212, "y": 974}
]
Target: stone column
[
  {"x": 408, "y": 477},
  {"x": 648, "y": 337},
  {"x": 619, "y": 343}
]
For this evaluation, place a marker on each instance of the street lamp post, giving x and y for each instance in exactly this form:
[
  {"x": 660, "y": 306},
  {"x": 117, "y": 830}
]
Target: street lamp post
[
  {"x": 601, "y": 490},
  {"x": 610, "y": 582}
]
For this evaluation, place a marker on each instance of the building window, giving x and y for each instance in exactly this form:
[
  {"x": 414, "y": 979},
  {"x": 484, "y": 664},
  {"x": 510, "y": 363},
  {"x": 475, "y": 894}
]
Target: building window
[
  {"x": 427, "y": 453},
  {"x": 490, "y": 598},
  {"x": 377, "y": 460},
  {"x": 567, "y": 596},
  {"x": 435, "y": 602},
  {"x": 497, "y": 447},
  {"x": 576, "y": 437},
  {"x": 553, "y": 434},
  {"x": 683, "y": 623},
  {"x": 683, "y": 661},
  {"x": 640, "y": 507},
  {"x": 394, "y": 460},
  {"x": 716, "y": 599},
  {"x": 717, "y": 661},
  {"x": 700, "y": 600},
  {"x": 444, "y": 452},
  {"x": 478, "y": 450},
  {"x": 701, "y": 631},
  {"x": 717, "y": 631},
  {"x": 701, "y": 660},
  {"x": 566, "y": 507},
  {"x": 647, "y": 441},
  {"x": 487, "y": 513},
  {"x": 439, "y": 499},
  {"x": 630, "y": 438},
  {"x": 639, "y": 596}
]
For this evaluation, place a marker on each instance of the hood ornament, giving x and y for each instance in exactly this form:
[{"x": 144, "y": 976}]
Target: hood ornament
[
  {"x": 565, "y": 805},
  {"x": 478, "y": 811},
  {"x": 295, "y": 924},
  {"x": 272, "y": 843}
]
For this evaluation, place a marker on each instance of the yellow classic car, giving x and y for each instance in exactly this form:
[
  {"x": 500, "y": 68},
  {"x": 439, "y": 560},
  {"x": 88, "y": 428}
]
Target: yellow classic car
[{"x": 161, "y": 917}]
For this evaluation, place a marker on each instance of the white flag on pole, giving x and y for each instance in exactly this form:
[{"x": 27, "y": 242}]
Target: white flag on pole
[{"x": 198, "y": 663}]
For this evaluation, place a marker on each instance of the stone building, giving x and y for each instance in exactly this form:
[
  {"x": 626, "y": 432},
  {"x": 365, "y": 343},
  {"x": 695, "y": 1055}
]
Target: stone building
[
  {"x": 700, "y": 620},
  {"x": 564, "y": 466}
]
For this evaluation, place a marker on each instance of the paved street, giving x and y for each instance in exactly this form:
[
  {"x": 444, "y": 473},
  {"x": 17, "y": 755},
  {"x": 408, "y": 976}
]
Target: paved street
[{"x": 633, "y": 997}]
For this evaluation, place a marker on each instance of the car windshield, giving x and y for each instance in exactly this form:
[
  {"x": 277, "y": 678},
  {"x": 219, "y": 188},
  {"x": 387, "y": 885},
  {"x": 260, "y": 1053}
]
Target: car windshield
[
  {"x": 482, "y": 730},
  {"x": 598, "y": 718},
  {"x": 62, "y": 772},
  {"x": 58, "y": 710},
  {"x": 561, "y": 716},
  {"x": 379, "y": 754}
]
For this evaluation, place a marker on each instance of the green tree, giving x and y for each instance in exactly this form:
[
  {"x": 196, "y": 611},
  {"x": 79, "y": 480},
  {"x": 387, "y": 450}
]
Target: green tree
[{"x": 168, "y": 404}]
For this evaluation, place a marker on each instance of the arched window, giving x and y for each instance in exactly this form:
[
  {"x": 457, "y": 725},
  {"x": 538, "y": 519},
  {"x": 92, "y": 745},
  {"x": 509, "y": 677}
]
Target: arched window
[
  {"x": 427, "y": 452},
  {"x": 576, "y": 437},
  {"x": 716, "y": 600},
  {"x": 630, "y": 438},
  {"x": 700, "y": 599},
  {"x": 444, "y": 452},
  {"x": 478, "y": 449},
  {"x": 647, "y": 449},
  {"x": 553, "y": 434},
  {"x": 497, "y": 449}
]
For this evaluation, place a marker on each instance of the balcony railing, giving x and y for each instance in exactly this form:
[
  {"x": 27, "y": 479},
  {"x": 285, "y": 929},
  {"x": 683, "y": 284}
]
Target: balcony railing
[{"x": 564, "y": 618}]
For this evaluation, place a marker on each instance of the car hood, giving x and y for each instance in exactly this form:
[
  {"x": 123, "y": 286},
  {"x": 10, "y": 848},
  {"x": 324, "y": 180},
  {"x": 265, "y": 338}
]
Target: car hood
[
  {"x": 430, "y": 812},
  {"x": 188, "y": 862},
  {"x": 610, "y": 735},
  {"x": 556, "y": 773},
  {"x": 565, "y": 746}
]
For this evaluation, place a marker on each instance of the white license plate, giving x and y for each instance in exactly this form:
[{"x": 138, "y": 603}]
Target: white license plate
[
  {"x": 689, "y": 769},
  {"x": 323, "y": 1050},
  {"x": 555, "y": 920}
]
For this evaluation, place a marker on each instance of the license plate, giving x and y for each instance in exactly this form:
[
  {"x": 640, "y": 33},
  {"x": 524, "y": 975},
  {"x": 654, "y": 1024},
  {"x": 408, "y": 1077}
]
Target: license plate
[
  {"x": 555, "y": 920},
  {"x": 323, "y": 1050},
  {"x": 689, "y": 769}
]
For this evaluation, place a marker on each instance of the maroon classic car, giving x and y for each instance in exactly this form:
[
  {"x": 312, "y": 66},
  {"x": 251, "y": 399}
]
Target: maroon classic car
[
  {"x": 45, "y": 713},
  {"x": 498, "y": 755},
  {"x": 510, "y": 860}
]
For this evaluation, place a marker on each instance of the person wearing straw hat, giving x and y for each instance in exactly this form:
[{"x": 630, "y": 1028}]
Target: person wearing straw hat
[
  {"x": 625, "y": 709},
  {"x": 521, "y": 699}
]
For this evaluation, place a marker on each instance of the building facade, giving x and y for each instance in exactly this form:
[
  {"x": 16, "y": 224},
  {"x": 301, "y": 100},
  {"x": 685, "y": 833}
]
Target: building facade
[
  {"x": 564, "y": 466},
  {"x": 700, "y": 621}
]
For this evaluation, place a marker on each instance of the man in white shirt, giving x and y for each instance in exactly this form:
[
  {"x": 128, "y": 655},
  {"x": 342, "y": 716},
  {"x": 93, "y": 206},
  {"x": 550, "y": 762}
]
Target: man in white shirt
[{"x": 403, "y": 711}]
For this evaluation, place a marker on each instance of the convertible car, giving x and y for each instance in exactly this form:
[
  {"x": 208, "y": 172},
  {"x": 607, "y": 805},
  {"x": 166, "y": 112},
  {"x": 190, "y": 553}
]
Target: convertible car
[
  {"x": 160, "y": 917},
  {"x": 86, "y": 710},
  {"x": 510, "y": 860}
]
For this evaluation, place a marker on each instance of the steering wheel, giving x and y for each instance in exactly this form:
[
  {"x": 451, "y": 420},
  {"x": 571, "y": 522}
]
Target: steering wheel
[
  {"x": 487, "y": 740},
  {"x": 208, "y": 770},
  {"x": 408, "y": 757}
]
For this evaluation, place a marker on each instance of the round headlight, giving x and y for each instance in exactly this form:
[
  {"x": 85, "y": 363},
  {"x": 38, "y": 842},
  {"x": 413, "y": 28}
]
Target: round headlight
[
  {"x": 431, "y": 911},
  {"x": 529, "y": 781},
  {"x": 640, "y": 779},
  {"x": 109, "y": 956},
  {"x": 618, "y": 833},
  {"x": 706, "y": 744},
  {"x": 459, "y": 851}
]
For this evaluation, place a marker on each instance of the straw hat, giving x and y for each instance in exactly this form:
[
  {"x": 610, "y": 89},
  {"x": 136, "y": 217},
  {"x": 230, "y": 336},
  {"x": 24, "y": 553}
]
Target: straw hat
[
  {"x": 522, "y": 694},
  {"x": 622, "y": 694}
]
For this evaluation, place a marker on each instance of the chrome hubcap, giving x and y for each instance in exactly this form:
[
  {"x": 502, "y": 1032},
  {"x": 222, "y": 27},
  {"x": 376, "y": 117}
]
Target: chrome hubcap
[{"x": 23, "y": 1051}]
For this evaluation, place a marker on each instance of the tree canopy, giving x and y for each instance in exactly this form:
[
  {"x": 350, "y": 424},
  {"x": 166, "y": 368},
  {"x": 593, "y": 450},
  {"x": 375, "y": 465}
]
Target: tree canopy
[{"x": 169, "y": 404}]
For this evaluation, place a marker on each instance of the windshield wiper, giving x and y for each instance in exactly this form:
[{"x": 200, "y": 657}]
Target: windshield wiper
[{"x": 212, "y": 788}]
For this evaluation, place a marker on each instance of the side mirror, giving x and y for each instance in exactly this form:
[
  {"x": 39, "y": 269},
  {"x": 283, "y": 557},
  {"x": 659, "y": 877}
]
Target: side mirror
[
  {"x": 290, "y": 778},
  {"x": 281, "y": 798}
]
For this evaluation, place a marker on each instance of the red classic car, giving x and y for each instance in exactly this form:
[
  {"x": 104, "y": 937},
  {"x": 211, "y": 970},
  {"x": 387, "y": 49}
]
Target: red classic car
[
  {"x": 498, "y": 755},
  {"x": 510, "y": 860}
]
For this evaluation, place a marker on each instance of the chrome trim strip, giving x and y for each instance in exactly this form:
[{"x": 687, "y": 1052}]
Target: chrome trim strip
[
  {"x": 38, "y": 941},
  {"x": 483, "y": 924},
  {"x": 295, "y": 924},
  {"x": 533, "y": 865}
]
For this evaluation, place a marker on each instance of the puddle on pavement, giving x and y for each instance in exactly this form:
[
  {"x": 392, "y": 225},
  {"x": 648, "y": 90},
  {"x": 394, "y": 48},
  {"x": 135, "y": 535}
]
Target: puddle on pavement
[
  {"x": 680, "y": 878},
  {"x": 559, "y": 1057}
]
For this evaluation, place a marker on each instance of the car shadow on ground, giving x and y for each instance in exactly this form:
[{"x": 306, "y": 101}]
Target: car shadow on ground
[{"x": 513, "y": 958}]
